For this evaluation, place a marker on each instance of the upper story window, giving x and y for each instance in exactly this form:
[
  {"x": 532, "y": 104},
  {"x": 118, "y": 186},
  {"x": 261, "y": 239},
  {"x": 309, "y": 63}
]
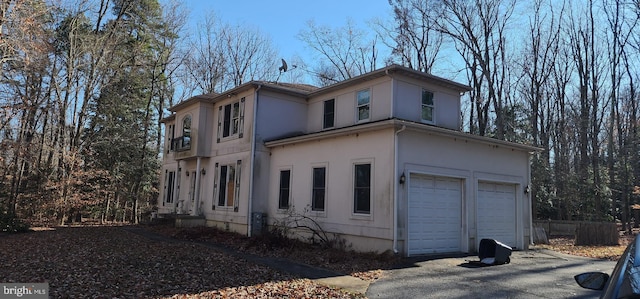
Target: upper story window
[
  {"x": 364, "y": 101},
  {"x": 231, "y": 120},
  {"x": 172, "y": 132},
  {"x": 183, "y": 142},
  {"x": 328, "y": 121},
  {"x": 427, "y": 106},
  {"x": 186, "y": 130}
]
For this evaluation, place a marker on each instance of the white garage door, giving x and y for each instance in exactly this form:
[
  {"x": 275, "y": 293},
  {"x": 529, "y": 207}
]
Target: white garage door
[
  {"x": 435, "y": 213},
  {"x": 497, "y": 212}
]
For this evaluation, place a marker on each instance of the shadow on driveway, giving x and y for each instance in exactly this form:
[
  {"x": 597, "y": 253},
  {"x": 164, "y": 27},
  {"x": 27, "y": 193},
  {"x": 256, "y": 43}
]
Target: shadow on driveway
[{"x": 531, "y": 274}]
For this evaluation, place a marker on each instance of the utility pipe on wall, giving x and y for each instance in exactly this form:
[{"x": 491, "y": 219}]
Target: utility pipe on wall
[
  {"x": 397, "y": 190},
  {"x": 253, "y": 157}
]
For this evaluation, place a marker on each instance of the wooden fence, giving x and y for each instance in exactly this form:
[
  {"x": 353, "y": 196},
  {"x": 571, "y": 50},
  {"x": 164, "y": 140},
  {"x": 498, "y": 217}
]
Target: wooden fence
[{"x": 585, "y": 232}]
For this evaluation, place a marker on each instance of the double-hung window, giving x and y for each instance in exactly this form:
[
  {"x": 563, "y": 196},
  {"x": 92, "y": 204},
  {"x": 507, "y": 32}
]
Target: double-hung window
[
  {"x": 363, "y": 98},
  {"x": 329, "y": 114},
  {"x": 362, "y": 189},
  {"x": 285, "y": 189},
  {"x": 427, "y": 106},
  {"x": 318, "y": 192},
  {"x": 231, "y": 120}
]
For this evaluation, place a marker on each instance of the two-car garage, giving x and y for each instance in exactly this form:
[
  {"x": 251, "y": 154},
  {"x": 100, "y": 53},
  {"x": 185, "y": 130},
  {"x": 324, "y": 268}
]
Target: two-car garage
[{"x": 437, "y": 208}]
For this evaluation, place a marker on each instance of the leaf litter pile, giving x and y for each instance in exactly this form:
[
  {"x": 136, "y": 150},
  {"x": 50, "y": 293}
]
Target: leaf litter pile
[
  {"x": 110, "y": 262},
  {"x": 566, "y": 245},
  {"x": 366, "y": 266}
]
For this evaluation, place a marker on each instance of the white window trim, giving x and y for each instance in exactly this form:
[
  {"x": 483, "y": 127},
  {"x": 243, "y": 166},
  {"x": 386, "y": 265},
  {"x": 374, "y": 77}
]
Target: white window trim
[
  {"x": 236, "y": 187},
  {"x": 358, "y": 120},
  {"x": 187, "y": 116},
  {"x": 290, "y": 199},
  {"x": 182, "y": 132},
  {"x": 237, "y": 135},
  {"x": 334, "y": 113},
  {"x": 362, "y": 216},
  {"x": 433, "y": 107},
  {"x": 322, "y": 213}
]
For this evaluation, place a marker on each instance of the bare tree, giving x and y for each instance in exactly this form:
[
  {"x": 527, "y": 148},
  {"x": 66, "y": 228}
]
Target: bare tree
[
  {"x": 248, "y": 55},
  {"x": 342, "y": 52},
  {"x": 204, "y": 65},
  {"x": 581, "y": 30},
  {"x": 622, "y": 139},
  {"x": 538, "y": 59},
  {"x": 479, "y": 30},
  {"x": 24, "y": 48},
  {"x": 222, "y": 56},
  {"x": 413, "y": 36}
]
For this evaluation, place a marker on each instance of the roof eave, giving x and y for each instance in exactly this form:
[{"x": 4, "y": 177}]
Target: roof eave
[
  {"x": 399, "y": 123},
  {"x": 168, "y": 118},
  {"x": 386, "y": 71}
]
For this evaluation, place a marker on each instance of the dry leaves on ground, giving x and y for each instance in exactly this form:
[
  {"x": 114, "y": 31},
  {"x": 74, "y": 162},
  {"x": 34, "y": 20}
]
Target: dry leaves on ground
[
  {"x": 566, "y": 245},
  {"x": 366, "y": 266},
  {"x": 109, "y": 262}
]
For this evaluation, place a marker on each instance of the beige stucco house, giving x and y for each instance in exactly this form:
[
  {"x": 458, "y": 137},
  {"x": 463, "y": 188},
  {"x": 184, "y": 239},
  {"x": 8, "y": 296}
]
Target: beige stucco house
[{"x": 379, "y": 159}]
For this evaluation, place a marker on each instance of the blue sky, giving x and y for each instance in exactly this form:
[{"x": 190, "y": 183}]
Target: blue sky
[{"x": 282, "y": 20}]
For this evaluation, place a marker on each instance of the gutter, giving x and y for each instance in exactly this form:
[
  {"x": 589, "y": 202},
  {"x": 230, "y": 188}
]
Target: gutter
[
  {"x": 252, "y": 162},
  {"x": 397, "y": 191},
  {"x": 450, "y": 133}
]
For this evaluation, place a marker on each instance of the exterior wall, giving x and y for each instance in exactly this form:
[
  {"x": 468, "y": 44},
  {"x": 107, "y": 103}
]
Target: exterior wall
[
  {"x": 205, "y": 122},
  {"x": 168, "y": 154},
  {"x": 375, "y": 147},
  {"x": 261, "y": 172},
  {"x": 471, "y": 161},
  {"x": 280, "y": 115},
  {"x": 345, "y": 101},
  {"x": 201, "y": 120},
  {"x": 227, "y": 152},
  {"x": 168, "y": 164},
  {"x": 223, "y": 215},
  {"x": 408, "y": 103},
  {"x": 184, "y": 200},
  {"x": 163, "y": 207}
]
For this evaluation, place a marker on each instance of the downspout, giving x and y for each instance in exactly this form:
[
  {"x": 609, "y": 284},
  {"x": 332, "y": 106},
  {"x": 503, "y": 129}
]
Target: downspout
[
  {"x": 391, "y": 110},
  {"x": 253, "y": 158},
  {"x": 196, "y": 201},
  {"x": 397, "y": 191},
  {"x": 531, "y": 229}
]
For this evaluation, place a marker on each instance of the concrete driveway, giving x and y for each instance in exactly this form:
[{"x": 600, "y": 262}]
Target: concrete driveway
[{"x": 531, "y": 274}]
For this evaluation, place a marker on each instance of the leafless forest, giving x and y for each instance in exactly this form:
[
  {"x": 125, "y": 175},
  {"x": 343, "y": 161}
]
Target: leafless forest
[{"x": 83, "y": 84}]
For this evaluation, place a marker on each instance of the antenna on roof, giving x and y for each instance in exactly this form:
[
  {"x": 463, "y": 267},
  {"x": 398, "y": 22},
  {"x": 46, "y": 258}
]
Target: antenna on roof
[{"x": 283, "y": 68}]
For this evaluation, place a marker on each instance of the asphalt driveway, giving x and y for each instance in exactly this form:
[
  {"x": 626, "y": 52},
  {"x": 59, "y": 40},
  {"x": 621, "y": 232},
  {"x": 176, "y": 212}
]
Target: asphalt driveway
[{"x": 531, "y": 274}]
